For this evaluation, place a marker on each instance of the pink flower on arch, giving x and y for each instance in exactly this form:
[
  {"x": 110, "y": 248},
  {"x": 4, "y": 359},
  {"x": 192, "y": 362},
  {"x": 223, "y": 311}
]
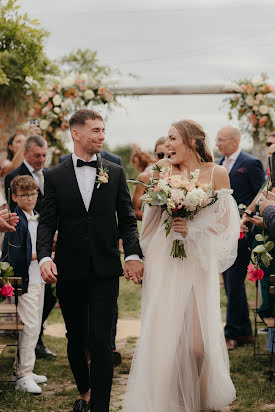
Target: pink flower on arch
[{"x": 254, "y": 273}]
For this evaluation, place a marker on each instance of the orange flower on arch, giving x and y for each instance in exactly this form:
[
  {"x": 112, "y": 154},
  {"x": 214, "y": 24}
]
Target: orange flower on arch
[{"x": 70, "y": 93}]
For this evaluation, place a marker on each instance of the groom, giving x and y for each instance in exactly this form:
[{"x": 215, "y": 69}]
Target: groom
[{"x": 83, "y": 204}]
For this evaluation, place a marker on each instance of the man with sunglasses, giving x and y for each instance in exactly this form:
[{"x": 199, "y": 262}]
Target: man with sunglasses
[
  {"x": 246, "y": 178},
  {"x": 160, "y": 152}
]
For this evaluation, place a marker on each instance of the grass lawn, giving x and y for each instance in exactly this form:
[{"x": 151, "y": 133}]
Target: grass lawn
[{"x": 255, "y": 393}]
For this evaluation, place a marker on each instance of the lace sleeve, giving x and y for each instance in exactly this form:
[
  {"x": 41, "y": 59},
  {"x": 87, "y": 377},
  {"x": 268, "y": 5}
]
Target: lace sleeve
[
  {"x": 150, "y": 222},
  {"x": 216, "y": 228}
]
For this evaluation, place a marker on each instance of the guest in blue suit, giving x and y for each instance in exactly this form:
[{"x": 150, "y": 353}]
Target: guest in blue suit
[
  {"x": 246, "y": 177},
  {"x": 115, "y": 159}
]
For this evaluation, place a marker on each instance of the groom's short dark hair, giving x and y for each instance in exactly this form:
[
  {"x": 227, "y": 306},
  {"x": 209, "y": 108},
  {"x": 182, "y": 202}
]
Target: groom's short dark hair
[{"x": 80, "y": 117}]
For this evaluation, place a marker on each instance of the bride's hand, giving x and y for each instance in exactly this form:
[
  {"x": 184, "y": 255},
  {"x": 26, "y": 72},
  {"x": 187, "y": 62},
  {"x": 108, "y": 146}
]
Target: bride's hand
[{"x": 180, "y": 225}]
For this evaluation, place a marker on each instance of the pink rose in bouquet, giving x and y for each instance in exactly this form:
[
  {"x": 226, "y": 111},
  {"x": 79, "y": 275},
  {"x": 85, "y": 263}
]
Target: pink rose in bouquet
[{"x": 7, "y": 290}]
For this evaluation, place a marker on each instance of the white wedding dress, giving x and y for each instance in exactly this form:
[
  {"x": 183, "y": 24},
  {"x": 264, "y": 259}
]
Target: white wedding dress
[{"x": 181, "y": 362}]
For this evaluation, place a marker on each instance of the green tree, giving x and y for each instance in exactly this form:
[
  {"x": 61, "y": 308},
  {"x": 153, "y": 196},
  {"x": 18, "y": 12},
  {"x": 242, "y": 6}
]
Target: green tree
[
  {"x": 125, "y": 153},
  {"x": 23, "y": 62},
  {"x": 84, "y": 61}
]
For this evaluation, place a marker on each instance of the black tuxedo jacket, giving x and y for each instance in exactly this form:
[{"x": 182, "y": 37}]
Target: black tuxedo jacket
[
  {"x": 87, "y": 241},
  {"x": 20, "y": 171},
  {"x": 246, "y": 177},
  {"x": 105, "y": 155}
]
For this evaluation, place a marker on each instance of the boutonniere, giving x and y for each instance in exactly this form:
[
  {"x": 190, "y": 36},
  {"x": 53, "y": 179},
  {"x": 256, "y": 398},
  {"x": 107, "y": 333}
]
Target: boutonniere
[{"x": 102, "y": 177}]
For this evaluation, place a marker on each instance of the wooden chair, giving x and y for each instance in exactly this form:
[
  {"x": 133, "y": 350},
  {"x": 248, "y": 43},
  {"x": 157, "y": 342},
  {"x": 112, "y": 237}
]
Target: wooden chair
[
  {"x": 15, "y": 324},
  {"x": 270, "y": 324},
  {"x": 254, "y": 306}
]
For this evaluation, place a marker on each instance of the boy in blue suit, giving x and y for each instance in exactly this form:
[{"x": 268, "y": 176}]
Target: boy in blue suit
[
  {"x": 246, "y": 176},
  {"x": 24, "y": 262}
]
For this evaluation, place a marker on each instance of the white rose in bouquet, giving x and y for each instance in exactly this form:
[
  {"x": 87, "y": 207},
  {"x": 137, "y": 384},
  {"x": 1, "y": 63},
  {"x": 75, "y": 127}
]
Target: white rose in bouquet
[
  {"x": 162, "y": 185},
  {"x": 57, "y": 110}
]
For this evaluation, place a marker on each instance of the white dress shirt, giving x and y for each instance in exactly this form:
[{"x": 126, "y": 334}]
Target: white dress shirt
[
  {"x": 232, "y": 159},
  {"x": 86, "y": 176},
  {"x": 31, "y": 169},
  {"x": 34, "y": 270}
]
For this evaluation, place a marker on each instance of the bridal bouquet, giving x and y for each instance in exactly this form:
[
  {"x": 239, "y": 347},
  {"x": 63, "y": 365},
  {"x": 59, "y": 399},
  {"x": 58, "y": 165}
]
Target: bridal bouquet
[{"x": 181, "y": 196}]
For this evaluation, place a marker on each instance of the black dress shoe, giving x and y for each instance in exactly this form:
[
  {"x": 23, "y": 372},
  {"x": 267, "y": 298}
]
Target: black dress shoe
[
  {"x": 81, "y": 406},
  {"x": 41, "y": 351},
  {"x": 116, "y": 358}
]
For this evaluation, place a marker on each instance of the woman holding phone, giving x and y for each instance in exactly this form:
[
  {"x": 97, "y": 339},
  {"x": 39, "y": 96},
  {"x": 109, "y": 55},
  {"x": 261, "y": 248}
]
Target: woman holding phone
[{"x": 252, "y": 214}]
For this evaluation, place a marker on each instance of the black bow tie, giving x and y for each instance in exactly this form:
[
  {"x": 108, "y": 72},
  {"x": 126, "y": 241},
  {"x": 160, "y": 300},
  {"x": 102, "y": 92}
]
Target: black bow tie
[{"x": 92, "y": 163}]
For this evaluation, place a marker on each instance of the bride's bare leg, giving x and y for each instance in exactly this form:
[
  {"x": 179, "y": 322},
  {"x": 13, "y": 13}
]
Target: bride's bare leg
[
  {"x": 190, "y": 368},
  {"x": 197, "y": 346}
]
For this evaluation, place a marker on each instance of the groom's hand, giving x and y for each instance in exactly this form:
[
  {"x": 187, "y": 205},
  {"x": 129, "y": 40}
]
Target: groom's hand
[
  {"x": 133, "y": 269},
  {"x": 49, "y": 272}
]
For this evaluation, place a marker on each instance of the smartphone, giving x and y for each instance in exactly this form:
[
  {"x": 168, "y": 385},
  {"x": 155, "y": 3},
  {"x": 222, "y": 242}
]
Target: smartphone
[
  {"x": 271, "y": 164},
  {"x": 34, "y": 123},
  {"x": 252, "y": 214}
]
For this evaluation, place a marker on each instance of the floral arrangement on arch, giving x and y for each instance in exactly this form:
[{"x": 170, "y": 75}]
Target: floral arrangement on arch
[
  {"x": 60, "y": 98},
  {"x": 254, "y": 103}
]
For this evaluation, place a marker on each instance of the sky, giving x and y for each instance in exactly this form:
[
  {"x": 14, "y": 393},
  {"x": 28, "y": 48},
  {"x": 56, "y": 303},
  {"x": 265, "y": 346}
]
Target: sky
[{"x": 164, "y": 42}]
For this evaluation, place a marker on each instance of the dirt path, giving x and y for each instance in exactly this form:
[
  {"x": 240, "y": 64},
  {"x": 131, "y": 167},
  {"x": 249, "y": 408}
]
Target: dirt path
[{"x": 125, "y": 328}]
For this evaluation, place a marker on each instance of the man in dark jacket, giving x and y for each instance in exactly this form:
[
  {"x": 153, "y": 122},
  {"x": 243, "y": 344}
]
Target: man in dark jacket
[
  {"x": 84, "y": 197},
  {"x": 246, "y": 178},
  {"x": 33, "y": 165},
  {"x": 114, "y": 159},
  {"x": 267, "y": 209}
]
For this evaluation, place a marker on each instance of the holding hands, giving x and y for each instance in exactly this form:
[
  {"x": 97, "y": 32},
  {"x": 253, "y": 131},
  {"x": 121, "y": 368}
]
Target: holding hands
[
  {"x": 133, "y": 270},
  {"x": 49, "y": 271}
]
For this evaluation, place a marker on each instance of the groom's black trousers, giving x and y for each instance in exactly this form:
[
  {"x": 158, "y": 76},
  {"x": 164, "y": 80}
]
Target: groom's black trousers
[{"x": 88, "y": 310}]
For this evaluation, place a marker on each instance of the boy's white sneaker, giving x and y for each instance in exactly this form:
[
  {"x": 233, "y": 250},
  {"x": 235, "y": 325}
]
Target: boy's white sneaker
[
  {"x": 39, "y": 378},
  {"x": 28, "y": 384}
]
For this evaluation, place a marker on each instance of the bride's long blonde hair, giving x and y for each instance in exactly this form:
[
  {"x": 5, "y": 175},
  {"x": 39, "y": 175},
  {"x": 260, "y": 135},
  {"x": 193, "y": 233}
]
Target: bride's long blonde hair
[{"x": 189, "y": 131}]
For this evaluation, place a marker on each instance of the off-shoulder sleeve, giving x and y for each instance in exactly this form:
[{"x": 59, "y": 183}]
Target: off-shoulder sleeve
[
  {"x": 150, "y": 222},
  {"x": 216, "y": 229}
]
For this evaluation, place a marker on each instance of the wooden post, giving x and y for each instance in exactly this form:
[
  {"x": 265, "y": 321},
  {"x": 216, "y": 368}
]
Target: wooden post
[{"x": 226, "y": 88}]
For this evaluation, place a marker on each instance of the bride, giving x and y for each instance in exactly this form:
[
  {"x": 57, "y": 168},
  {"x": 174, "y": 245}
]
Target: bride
[{"x": 181, "y": 362}]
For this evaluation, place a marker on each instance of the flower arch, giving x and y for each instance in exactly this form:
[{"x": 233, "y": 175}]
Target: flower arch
[
  {"x": 254, "y": 104},
  {"x": 59, "y": 99}
]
